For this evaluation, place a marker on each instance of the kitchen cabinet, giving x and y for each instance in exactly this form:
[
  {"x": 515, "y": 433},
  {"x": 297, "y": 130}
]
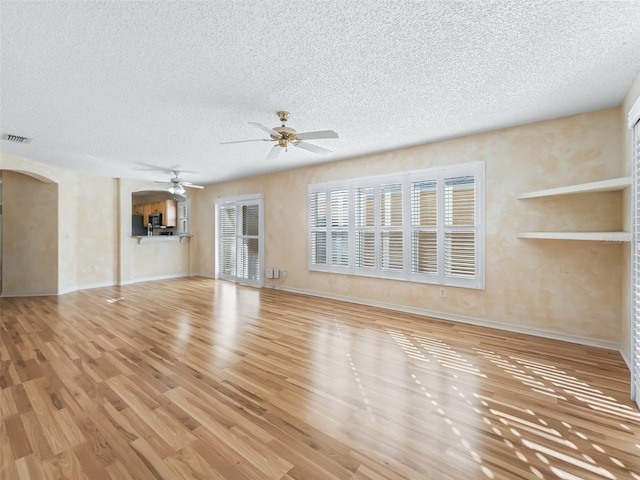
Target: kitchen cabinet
[
  {"x": 157, "y": 207},
  {"x": 146, "y": 208},
  {"x": 168, "y": 209}
]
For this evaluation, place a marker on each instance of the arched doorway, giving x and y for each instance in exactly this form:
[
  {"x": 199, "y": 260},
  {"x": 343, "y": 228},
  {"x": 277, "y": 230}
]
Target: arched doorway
[{"x": 28, "y": 234}]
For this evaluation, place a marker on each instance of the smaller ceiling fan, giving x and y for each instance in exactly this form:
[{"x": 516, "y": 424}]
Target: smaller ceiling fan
[
  {"x": 286, "y": 135},
  {"x": 176, "y": 184}
]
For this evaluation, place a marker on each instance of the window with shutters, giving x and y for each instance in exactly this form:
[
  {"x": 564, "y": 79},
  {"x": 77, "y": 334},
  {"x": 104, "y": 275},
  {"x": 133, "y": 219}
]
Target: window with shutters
[
  {"x": 339, "y": 228},
  {"x": 240, "y": 239},
  {"x": 422, "y": 226}
]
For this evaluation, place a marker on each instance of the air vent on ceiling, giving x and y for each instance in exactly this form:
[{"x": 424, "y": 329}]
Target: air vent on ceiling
[{"x": 15, "y": 138}]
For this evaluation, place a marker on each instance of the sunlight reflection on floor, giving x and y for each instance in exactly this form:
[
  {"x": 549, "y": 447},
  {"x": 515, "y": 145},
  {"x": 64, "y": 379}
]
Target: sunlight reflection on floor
[{"x": 545, "y": 446}]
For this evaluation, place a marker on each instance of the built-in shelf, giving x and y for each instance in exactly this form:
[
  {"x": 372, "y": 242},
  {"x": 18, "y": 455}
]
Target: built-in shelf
[
  {"x": 611, "y": 185},
  {"x": 595, "y": 236}
]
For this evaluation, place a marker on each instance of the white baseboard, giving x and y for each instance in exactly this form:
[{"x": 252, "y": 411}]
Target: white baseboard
[
  {"x": 45, "y": 293},
  {"x": 153, "y": 279},
  {"x": 538, "y": 332},
  {"x": 626, "y": 358},
  {"x": 205, "y": 275},
  {"x": 87, "y": 287}
]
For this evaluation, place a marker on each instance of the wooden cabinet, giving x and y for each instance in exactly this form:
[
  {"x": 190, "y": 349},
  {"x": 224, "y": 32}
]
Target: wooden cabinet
[
  {"x": 158, "y": 207},
  {"x": 169, "y": 215},
  {"x": 146, "y": 208},
  {"x": 168, "y": 209}
]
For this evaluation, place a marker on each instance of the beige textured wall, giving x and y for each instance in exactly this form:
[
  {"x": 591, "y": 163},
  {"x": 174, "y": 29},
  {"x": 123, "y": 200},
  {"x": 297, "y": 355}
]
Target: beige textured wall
[
  {"x": 625, "y": 319},
  {"x": 96, "y": 225},
  {"x": 90, "y": 244},
  {"x": 68, "y": 235},
  {"x": 29, "y": 235},
  {"x": 161, "y": 257},
  {"x": 568, "y": 287}
]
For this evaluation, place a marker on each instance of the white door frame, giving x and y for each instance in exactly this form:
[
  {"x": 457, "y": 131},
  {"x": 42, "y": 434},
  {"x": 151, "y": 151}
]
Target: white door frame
[{"x": 238, "y": 202}]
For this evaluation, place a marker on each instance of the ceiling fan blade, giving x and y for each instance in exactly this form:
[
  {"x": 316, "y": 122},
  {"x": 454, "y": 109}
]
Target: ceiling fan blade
[
  {"x": 275, "y": 151},
  {"x": 270, "y": 131},
  {"x": 313, "y": 148},
  {"x": 317, "y": 135},
  {"x": 243, "y": 141},
  {"x": 191, "y": 185}
]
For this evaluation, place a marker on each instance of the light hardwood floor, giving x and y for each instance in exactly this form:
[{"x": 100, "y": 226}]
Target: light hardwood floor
[{"x": 194, "y": 378}]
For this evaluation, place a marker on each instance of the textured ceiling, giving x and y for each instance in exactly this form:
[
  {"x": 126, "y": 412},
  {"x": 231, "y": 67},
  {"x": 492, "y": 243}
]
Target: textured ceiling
[{"x": 120, "y": 88}]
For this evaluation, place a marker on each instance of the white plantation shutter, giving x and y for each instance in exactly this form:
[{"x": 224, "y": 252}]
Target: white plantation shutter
[
  {"x": 391, "y": 234},
  {"x": 318, "y": 228},
  {"x": 424, "y": 226},
  {"x": 340, "y": 228},
  {"x": 459, "y": 228},
  {"x": 248, "y": 258},
  {"x": 635, "y": 266},
  {"x": 365, "y": 227},
  {"x": 227, "y": 240},
  {"x": 228, "y": 256},
  {"x": 250, "y": 219},
  {"x": 183, "y": 217}
]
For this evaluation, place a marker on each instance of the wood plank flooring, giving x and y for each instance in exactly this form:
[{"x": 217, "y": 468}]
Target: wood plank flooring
[{"x": 200, "y": 379}]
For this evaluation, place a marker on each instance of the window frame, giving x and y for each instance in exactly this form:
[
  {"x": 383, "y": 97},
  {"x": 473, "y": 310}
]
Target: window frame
[{"x": 406, "y": 179}]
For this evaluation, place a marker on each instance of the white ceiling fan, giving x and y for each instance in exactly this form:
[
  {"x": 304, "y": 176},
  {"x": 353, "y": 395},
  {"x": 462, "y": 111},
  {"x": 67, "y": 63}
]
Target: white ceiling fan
[
  {"x": 286, "y": 135},
  {"x": 176, "y": 184}
]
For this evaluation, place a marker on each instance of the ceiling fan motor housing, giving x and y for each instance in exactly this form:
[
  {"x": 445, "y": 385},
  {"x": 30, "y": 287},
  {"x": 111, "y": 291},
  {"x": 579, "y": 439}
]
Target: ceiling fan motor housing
[{"x": 286, "y": 135}]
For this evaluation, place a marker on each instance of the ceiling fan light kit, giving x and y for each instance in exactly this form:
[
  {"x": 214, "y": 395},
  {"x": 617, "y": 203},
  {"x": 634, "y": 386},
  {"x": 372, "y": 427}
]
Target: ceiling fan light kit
[
  {"x": 176, "y": 189},
  {"x": 176, "y": 184},
  {"x": 284, "y": 136}
]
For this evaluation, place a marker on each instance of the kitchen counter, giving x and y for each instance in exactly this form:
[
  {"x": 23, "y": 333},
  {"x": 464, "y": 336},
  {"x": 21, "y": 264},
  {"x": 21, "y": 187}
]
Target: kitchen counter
[{"x": 155, "y": 238}]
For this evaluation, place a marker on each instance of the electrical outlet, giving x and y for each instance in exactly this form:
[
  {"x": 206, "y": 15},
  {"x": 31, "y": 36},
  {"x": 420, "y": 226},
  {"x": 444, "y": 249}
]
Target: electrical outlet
[
  {"x": 284, "y": 273},
  {"x": 443, "y": 292}
]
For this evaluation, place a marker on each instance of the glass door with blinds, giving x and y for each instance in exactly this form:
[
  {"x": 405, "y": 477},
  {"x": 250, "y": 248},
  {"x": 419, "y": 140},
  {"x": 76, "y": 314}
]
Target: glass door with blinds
[{"x": 240, "y": 240}]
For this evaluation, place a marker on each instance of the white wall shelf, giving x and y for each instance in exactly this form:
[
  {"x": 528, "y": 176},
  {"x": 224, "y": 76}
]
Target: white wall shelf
[
  {"x": 594, "y": 236},
  {"x": 611, "y": 185}
]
